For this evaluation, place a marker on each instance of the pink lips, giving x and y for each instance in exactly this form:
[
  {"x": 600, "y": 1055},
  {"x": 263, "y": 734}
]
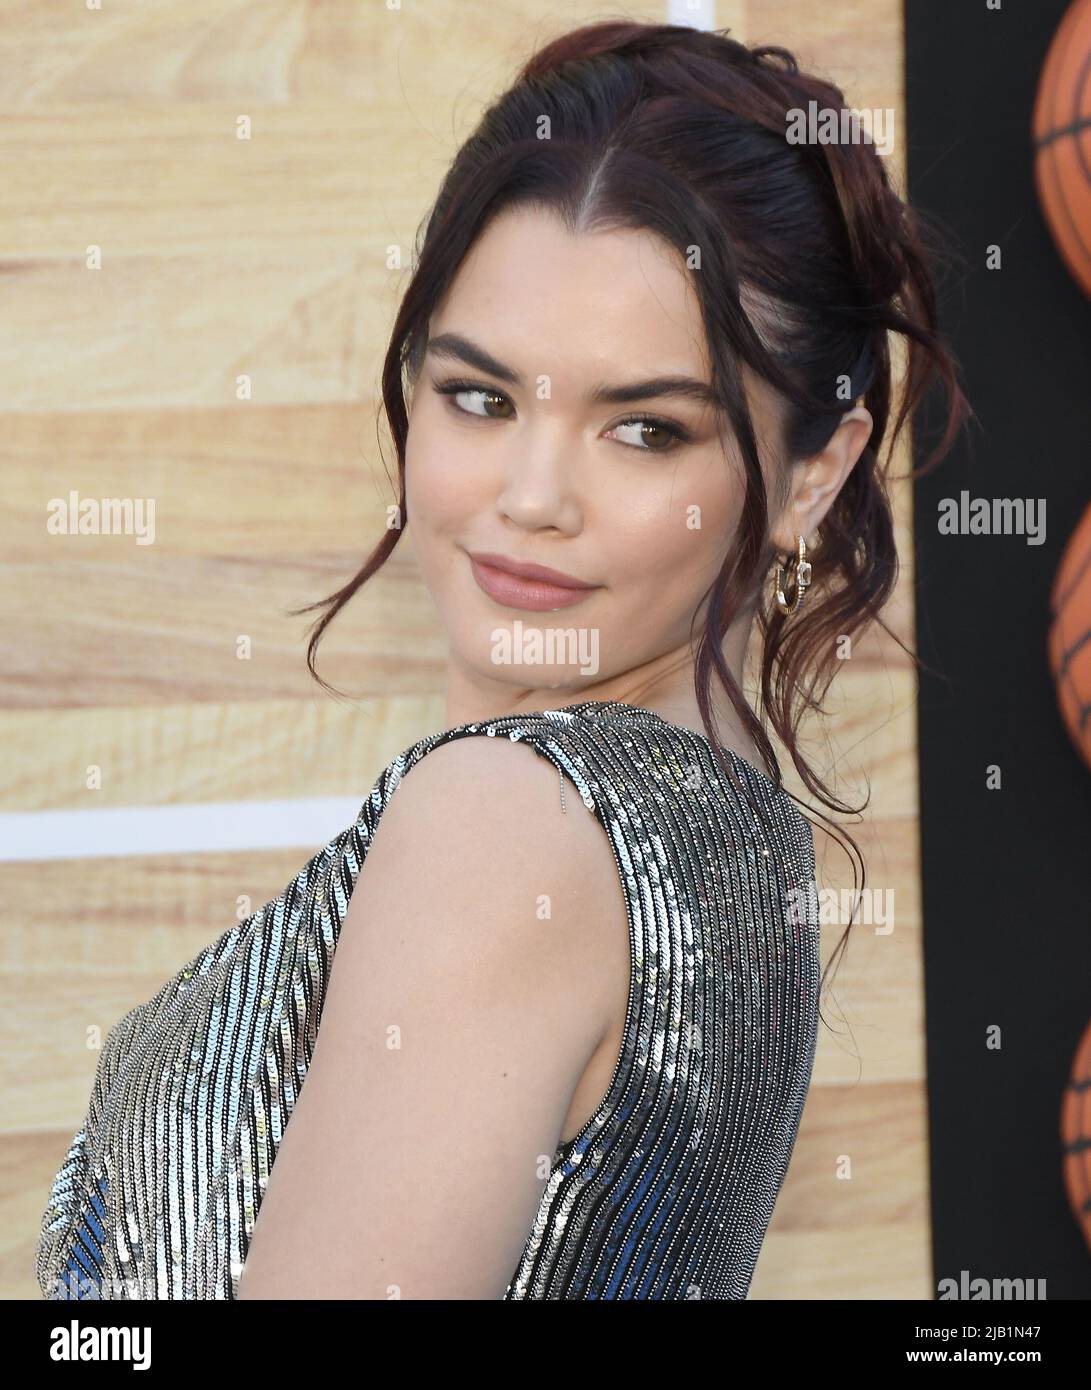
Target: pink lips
[{"x": 533, "y": 587}]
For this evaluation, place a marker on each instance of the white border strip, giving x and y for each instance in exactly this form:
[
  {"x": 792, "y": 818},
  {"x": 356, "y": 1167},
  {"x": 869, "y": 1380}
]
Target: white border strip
[
  {"x": 208, "y": 827},
  {"x": 698, "y": 14}
]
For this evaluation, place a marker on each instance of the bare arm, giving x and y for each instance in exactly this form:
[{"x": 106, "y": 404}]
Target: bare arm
[{"x": 458, "y": 1021}]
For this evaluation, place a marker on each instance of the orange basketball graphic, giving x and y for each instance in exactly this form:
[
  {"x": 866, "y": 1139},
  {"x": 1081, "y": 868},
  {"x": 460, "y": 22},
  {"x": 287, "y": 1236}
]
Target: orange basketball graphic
[
  {"x": 1076, "y": 1135},
  {"x": 1062, "y": 140},
  {"x": 1070, "y": 636}
]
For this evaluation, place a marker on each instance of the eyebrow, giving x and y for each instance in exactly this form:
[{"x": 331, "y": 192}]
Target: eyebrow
[{"x": 687, "y": 387}]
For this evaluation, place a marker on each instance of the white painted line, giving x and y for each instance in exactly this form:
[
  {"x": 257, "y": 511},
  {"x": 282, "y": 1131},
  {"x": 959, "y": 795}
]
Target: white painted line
[{"x": 205, "y": 827}]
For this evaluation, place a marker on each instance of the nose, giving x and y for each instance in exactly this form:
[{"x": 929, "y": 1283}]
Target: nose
[{"x": 539, "y": 489}]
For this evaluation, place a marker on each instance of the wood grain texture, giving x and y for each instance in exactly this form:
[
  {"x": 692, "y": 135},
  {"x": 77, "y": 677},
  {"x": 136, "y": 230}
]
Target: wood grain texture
[{"x": 278, "y": 262}]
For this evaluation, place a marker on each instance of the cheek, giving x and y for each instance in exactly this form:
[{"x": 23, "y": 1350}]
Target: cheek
[
  {"x": 439, "y": 483},
  {"x": 673, "y": 545}
]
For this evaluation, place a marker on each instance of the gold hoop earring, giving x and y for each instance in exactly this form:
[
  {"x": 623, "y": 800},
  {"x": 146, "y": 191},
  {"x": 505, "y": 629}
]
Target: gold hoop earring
[{"x": 803, "y": 579}]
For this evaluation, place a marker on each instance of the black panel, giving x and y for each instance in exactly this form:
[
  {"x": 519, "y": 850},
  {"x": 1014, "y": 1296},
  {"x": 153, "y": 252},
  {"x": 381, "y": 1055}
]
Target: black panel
[{"x": 1007, "y": 874}]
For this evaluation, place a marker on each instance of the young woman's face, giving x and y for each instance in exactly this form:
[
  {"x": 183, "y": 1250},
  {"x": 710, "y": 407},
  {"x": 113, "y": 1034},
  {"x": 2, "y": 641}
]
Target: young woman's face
[{"x": 529, "y": 460}]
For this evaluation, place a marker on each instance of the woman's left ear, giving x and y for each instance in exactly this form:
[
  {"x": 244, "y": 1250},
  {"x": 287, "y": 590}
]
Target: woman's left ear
[{"x": 817, "y": 481}]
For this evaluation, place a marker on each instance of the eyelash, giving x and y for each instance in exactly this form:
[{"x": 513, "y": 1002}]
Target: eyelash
[{"x": 678, "y": 434}]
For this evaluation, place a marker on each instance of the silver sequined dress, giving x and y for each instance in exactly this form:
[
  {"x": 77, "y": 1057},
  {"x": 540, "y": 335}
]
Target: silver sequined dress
[{"x": 666, "y": 1192}]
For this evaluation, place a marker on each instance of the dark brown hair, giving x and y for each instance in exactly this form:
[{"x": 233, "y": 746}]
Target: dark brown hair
[{"x": 684, "y": 133}]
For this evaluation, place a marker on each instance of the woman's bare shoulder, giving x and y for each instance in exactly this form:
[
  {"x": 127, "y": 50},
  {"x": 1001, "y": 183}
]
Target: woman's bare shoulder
[
  {"x": 507, "y": 789},
  {"x": 480, "y": 819}
]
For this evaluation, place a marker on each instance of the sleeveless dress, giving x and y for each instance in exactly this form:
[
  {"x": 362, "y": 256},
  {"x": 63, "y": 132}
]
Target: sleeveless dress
[{"x": 668, "y": 1189}]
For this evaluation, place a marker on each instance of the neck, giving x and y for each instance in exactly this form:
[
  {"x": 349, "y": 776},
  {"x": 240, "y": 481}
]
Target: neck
[{"x": 664, "y": 685}]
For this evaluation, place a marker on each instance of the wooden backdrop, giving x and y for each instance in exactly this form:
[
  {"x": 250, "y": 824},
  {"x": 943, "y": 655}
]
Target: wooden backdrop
[{"x": 144, "y": 686}]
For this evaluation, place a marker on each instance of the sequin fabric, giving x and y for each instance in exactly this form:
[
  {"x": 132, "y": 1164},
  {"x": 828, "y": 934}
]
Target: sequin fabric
[{"x": 666, "y": 1192}]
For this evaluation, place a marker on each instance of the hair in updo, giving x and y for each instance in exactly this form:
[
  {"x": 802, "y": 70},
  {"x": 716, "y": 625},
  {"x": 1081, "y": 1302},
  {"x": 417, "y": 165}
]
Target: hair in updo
[{"x": 808, "y": 262}]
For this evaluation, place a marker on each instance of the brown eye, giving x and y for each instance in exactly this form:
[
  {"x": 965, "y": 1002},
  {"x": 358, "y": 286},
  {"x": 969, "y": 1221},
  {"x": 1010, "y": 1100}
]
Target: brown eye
[
  {"x": 492, "y": 402},
  {"x": 655, "y": 436},
  {"x": 651, "y": 435}
]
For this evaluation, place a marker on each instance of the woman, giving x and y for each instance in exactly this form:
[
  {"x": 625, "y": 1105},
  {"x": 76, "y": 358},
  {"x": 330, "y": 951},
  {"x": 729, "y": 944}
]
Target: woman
[{"x": 646, "y": 347}]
